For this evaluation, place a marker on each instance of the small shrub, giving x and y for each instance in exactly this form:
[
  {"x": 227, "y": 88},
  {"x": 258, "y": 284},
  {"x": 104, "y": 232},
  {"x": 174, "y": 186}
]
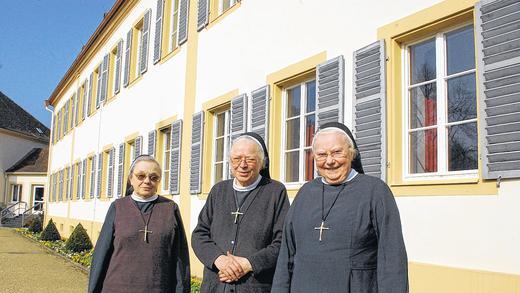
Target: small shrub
[
  {"x": 78, "y": 240},
  {"x": 195, "y": 285},
  {"x": 50, "y": 233},
  {"x": 35, "y": 224}
]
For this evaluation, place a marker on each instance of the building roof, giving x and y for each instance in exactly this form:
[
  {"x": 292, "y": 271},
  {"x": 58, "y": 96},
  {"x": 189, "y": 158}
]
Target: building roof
[
  {"x": 34, "y": 161},
  {"x": 15, "y": 118}
]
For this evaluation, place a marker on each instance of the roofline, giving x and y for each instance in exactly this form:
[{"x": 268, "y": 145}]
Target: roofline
[
  {"x": 25, "y": 135},
  {"x": 93, "y": 38},
  {"x": 26, "y": 173}
]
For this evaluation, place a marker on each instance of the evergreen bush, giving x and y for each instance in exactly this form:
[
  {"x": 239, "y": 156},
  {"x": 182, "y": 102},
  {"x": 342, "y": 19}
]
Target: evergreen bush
[
  {"x": 78, "y": 240},
  {"x": 35, "y": 224},
  {"x": 50, "y": 233}
]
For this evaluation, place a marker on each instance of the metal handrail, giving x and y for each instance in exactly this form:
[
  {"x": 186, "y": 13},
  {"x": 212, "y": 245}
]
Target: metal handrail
[
  {"x": 30, "y": 209},
  {"x": 7, "y": 211}
]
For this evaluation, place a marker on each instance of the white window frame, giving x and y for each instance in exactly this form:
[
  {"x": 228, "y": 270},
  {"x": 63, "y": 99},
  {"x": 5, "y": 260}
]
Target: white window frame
[
  {"x": 441, "y": 100},
  {"x": 139, "y": 41},
  {"x": 226, "y": 172},
  {"x": 221, "y": 5},
  {"x": 166, "y": 158},
  {"x": 174, "y": 24},
  {"x": 301, "y": 148},
  {"x": 34, "y": 197},
  {"x": 18, "y": 188}
]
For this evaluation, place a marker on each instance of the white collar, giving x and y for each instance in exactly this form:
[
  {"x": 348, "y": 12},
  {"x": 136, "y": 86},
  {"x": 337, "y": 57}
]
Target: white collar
[
  {"x": 140, "y": 199},
  {"x": 353, "y": 173},
  {"x": 246, "y": 188}
]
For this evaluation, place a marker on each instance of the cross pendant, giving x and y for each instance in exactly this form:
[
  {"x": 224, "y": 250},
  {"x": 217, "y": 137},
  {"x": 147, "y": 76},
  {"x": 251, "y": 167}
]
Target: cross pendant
[
  {"x": 321, "y": 228},
  {"x": 236, "y": 214},
  {"x": 146, "y": 231}
]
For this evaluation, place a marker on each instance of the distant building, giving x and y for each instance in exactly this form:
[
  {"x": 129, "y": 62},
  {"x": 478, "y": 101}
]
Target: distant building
[
  {"x": 430, "y": 89},
  {"x": 23, "y": 155}
]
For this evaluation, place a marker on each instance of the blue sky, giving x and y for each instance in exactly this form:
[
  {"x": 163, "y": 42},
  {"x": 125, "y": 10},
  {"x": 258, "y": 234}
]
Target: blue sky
[{"x": 39, "y": 40}]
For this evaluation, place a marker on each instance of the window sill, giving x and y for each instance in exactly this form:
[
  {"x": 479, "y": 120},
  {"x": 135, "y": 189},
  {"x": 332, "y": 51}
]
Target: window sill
[
  {"x": 169, "y": 55},
  {"x": 134, "y": 81},
  {"x": 445, "y": 187},
  {"x": 214, "y": 21}
]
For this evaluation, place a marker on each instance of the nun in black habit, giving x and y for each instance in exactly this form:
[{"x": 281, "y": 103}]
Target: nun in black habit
[
  {"x": 239, "y": 230},
  {"x": 343, "y": 231}
]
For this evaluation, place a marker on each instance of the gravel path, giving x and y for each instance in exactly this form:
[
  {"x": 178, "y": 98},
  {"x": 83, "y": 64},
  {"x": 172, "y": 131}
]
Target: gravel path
[{"x": 26, "y": 267}]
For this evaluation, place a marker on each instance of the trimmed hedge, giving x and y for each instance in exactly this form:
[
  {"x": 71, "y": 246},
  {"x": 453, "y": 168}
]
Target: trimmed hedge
[
  {"x": 50, "y": 233},
  {"x": 78, "y": 240}
]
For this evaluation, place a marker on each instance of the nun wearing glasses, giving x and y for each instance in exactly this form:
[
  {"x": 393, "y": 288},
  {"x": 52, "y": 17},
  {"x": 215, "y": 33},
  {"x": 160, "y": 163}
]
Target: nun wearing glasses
[
  {"x": 239, "y": 230},
  {"x": 142, "y": 246}
]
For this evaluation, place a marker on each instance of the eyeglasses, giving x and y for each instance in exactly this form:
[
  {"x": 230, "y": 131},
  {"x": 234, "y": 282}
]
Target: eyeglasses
[
  {"x": 320, "y": 157},
  {"x": 237, "y": 160},
  {"x": 152, "y": 177}
]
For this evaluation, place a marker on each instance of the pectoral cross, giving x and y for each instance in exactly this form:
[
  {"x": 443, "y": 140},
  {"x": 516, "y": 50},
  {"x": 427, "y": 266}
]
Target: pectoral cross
[
  {"x": 236, "y": 214},
  {"x": 321, "y": 228},
  {"x": 146, "y": 231}
]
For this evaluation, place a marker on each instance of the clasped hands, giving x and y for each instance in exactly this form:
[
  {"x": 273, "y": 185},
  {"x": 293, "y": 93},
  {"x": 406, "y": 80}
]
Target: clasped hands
[{"x": 232, "y": 268}]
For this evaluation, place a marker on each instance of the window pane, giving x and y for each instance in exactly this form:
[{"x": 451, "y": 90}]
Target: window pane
[
  {"x": 460, "y": 48},
  {"x": 311, "y": 96},
  {"x": 292, "y": 166},
  {"x": 218, "y": 172},
  {"x": 423, "y": 151},
  {"x": 423, "y": 101},
  {"x": 422, "y": 61},
  {"x": 309, "y": 165},
  {"x": 309, "y": 129},
  {"x": 220, "y": 124},
  {"x": 462, "y": 147},
  {"x": 462, "y": 100},
  {"x": 219, "y": 149},
  {"x": 293, "y": 102},
  {"x": 292, "y": 134}
]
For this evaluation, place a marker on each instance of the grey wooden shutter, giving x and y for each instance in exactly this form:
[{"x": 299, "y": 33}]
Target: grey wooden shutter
[
  {"x": 369, "y": 107},
  {"x": 69, "y": 183},
  {"x": 260, "y": 112},
  {"x": 78, "y": 181},
  {"x": 158, "y": 31},
  {"x": 238, "y": 116},
  {"x": 73, "y": 103},
  {"x": 128, "y": 53},
  {"x": 183, "y": 21},
  {"x": 330, "y": 91},
  {"x": 151, "y": 142},
  {"x": 99, "y": 175},
  {"x": 498, "y": 52},
  {"x": 77, "y": 99},
  {"x": 104, "y": 78},
  {"x": 203, "y": 14},
  {"x": 60, "y": 195},
  {"x": 89, "y": 95},
  {"x": 120, "y": 170},
  {"x": 66, "y": 118},
  {"x": 53, "y": 179},
  {"x": 99, "y": 84},
  {"x": 110, "y": 181},
  {"x": 144, "y": 42},
  {"x": 119, "y": 56},
  {"x": 197, "y": 132},
  {"x": 93, "y": 177},
  {"x": 175, "y": 156},
  {"x": 83, "y": 180},
  {"x": 138, "y": 146}
]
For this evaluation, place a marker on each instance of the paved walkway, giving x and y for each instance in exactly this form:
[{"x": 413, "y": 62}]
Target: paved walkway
[{"x": 27, "y": 267}]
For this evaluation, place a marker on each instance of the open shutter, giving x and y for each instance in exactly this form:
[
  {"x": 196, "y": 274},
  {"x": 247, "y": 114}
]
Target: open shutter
[
  {"x": 330, "y": 91},
  {"x": 89, "y": 94},
  {"x": 84, "y": 177},
  {"x": 93, "y": 177},
  {"x": 117, "y": 78},
  {"x": 60, "y": 194},
  {"x": 104, "y": 78},
  {"x": 197, "y": 132},
  {"x": 120, "y": 170},
  {"x": 78, "y": 181},
  {"x": 128, "y": 52},
  {"x": 73, "y": 104},
  {"x": 99, "y": 86},
  {"x": 144, "y": 42},
  {"x": 175, "y": 157},
  {"x": 369, "y": 107},
  {"x": 138, "y": 146},
  {"x": 151, "y": 142},
  {"x": 110, "y": 181},
  {"x": 238, "y": 116},
  {"x": 99, "y": 175},
  {"x": 183, "y": 21},
  {"x": 69, "y": 183},
  {"x": 203, "y": 14},
  {"x": 498, "y": 51},
  {"x": 260, "y": 112},
  {"x": 158, "y": 31},
  {"x": 77, "y": 100}
]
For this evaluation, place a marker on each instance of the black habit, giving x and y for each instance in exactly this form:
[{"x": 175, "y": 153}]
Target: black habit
[
  {"x": 124, "y": 262},
  {"x": 361, "y": 252},
  {"x": 256, "y": 235}
]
